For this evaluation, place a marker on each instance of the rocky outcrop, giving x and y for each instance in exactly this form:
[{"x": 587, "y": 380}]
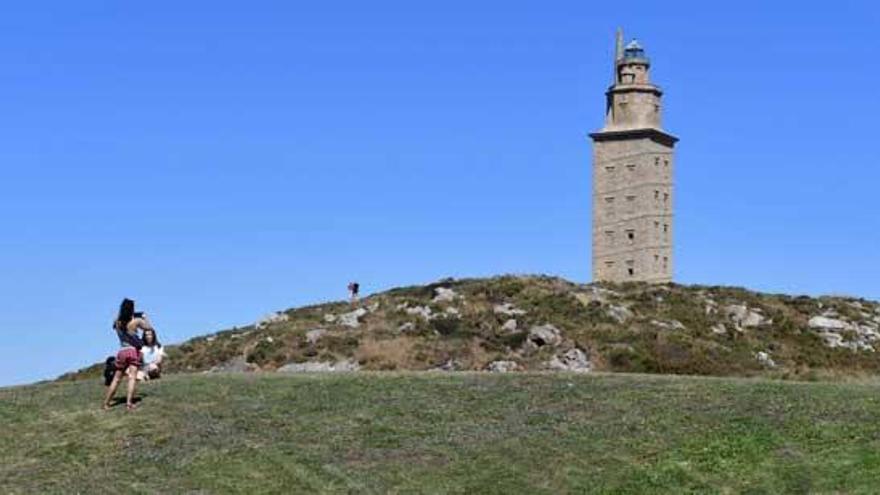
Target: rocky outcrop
[{"x": 837, "y": 332}]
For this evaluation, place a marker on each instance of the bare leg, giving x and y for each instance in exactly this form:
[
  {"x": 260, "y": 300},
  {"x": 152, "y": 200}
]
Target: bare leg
[
  {"x": 112, "y": 388},
  {"x": 132, "y": 381}
]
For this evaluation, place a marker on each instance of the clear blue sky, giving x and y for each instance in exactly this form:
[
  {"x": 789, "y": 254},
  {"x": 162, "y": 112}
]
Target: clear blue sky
[{"x": 218, "y": 160}]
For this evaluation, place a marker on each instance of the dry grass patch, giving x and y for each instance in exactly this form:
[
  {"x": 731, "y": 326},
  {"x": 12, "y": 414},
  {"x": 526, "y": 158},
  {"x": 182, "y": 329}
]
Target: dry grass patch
[{"x": 390, "y": 354}]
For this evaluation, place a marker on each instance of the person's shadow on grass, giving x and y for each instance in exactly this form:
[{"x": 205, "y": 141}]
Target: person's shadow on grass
[{"x": 118, "y": 401}]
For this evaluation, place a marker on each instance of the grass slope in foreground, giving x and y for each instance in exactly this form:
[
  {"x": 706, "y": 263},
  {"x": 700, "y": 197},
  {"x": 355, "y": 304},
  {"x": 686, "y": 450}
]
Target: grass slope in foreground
[{"x": 444, "y": 433}]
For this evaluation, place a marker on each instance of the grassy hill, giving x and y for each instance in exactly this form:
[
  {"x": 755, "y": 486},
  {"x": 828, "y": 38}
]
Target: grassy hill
[
  {"x": 444, "y": 433},
  {"x": 537, "y": 323}
]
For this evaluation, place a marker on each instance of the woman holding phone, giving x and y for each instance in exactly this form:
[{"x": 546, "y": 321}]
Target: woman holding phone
[{"x": 128, "y": 358}]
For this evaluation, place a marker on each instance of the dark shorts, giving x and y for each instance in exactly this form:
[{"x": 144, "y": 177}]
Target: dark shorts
[{"x": 127, "y": 356}]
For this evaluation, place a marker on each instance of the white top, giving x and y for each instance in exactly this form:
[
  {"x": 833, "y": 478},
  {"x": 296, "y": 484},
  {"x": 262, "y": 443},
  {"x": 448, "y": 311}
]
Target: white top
[{"x": 152, "y": 354}]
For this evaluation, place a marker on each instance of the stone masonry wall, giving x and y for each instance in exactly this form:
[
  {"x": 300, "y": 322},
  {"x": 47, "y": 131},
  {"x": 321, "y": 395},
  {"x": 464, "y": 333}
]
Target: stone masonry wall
[{"x": 632, "y": 210}]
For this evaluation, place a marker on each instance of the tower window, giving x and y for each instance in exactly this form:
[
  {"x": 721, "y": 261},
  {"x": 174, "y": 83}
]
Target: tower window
[
  {"x": 666, "y": 163},
  {"x": 630, "y": 271},
  {"x": 665, "y": 262},
  {"x": 656, "y": 194},
  {"x": 630, "y": 198},
  {"x": 609, "y": 199},
  {"x": 665, "y": 197},
  {"x": 631, "y": 236},
  {"x": 609, "y": 169},
  {"x": 657, "y": 161},
  {"x": 665, "y": 227},
  {"x": 631, "y": 167},
  {"x": 630, "y": 267}
]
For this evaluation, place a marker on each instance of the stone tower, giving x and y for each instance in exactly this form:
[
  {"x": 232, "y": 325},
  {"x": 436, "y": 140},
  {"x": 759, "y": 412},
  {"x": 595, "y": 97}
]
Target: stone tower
[{"x": 632, "y": 177}]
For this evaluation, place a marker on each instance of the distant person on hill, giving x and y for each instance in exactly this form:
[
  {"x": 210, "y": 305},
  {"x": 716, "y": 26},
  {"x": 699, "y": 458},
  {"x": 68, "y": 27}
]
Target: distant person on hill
[
  {"x": 128, "y": 359},
  {"x": 153, "y": 354},
  {"x": 353, "y": 289}
]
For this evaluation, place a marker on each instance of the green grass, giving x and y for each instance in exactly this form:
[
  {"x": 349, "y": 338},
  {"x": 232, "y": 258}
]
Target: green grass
[{"x": 444, "y": 433}]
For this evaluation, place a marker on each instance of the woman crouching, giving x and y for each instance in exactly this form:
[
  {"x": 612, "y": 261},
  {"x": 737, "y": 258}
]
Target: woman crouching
[{"x": 153, "y": 356}]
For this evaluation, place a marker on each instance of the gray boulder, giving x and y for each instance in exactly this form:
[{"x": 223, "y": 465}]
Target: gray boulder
[
  {"x": 542, "y": 335},
  {"x": 421, "y": 311},
  {"x": 450, "y": 365},
  {"x": 443, "y": 294},
  {"x": 619, "y": 313},
  {"x": 451, "y": 311},
  {"x": 502, "y": 366},
  {"x": 313, "y": 336},
  {"x": 509, "y": 326},
  {"x": 571, "y": 360},
  {"x": 826, "y": 323},
  {"x": 669, "y": 324},
  {"x": 765, "y": 359},
  {"x": 352, "y": 319},
  {"x": 272, "y": 319},
  {"x": 744, "y": 317},
  {"x": 507, "y": 309}
]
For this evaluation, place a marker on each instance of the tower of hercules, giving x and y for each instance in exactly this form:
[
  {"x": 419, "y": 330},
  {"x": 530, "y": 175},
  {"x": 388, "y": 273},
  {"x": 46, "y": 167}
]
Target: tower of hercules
[{"x": 632, "y": 177}]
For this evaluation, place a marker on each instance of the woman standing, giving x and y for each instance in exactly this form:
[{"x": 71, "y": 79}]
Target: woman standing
[{"x": 128, "y": 358}]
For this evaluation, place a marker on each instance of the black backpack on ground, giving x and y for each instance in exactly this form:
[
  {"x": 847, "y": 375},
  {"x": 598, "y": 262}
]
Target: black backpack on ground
[{"x": 109, "y": 370}]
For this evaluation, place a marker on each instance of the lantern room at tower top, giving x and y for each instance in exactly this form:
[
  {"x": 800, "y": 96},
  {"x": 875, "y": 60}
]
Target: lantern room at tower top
[{"x": 633, "y": 101}]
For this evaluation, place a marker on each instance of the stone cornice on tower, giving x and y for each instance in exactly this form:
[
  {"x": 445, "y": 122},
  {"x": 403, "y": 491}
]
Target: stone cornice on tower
[{"x": 651, "y": 133}]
